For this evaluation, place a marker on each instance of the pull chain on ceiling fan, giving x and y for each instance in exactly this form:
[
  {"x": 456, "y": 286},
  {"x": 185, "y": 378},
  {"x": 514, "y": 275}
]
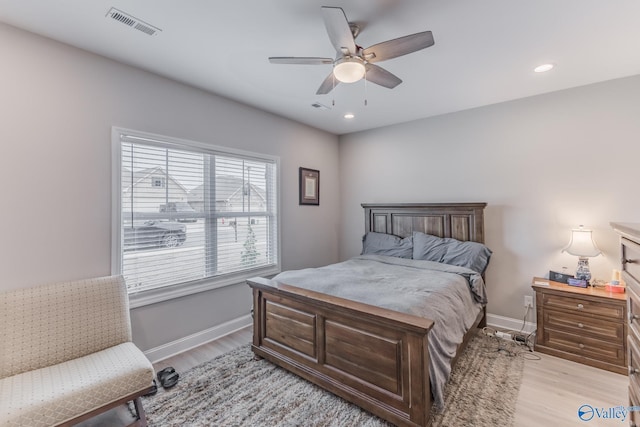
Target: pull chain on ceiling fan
[{"x": 352, "y": 62}]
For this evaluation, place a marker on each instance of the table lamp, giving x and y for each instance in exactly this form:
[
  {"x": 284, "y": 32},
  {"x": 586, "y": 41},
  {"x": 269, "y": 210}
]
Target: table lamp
[{"x": 582, "y": 246}]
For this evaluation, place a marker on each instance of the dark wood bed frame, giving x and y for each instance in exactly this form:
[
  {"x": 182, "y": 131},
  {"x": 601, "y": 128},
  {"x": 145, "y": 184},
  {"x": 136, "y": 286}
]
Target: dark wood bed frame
[{"x": 375, "y": 358}]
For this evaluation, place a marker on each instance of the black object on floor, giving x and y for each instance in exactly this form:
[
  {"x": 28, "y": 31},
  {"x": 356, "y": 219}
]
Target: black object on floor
[{"x": 168, "y": 377}]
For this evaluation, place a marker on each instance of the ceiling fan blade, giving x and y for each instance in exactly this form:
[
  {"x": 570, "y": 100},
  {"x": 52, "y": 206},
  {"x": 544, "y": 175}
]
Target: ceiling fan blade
[
  {"x": 300, "y": 60},
  {"x": 338, "y": 29},
  {"x": 327, "y": 85},
  {"x": 398, "y": 47},
  {"x": 382, "y": 77}
]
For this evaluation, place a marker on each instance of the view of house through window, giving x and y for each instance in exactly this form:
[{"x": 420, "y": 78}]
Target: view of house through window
[{"x": 189, "y": 214}]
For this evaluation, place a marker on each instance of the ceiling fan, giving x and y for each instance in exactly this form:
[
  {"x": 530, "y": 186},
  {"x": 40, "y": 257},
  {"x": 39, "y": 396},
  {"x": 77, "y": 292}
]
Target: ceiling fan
[{"x": 352, "y": 62}]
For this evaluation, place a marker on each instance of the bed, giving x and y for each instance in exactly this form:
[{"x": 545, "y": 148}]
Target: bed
[{"x": 373, "y": 356}]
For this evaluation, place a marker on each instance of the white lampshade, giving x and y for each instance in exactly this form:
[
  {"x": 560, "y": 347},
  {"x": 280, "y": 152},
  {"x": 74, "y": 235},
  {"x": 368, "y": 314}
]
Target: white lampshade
[
  {"x": 349, "y": 70},
  {"x": 582, "y": 244}
]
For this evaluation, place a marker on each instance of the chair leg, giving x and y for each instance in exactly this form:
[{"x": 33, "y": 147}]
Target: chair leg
[{"x": 142, "y": 417}]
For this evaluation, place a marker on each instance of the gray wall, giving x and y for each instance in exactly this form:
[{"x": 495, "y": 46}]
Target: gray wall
[
  {"x": 58, "y": 106},
  {"x": 543, "y": 164}
]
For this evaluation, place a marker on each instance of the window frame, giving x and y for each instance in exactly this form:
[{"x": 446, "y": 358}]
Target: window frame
[{"x": 152, "y": 296}]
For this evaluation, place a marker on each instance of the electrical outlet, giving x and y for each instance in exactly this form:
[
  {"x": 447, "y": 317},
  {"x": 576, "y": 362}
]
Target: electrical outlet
[{"x": 528, "y": 301}]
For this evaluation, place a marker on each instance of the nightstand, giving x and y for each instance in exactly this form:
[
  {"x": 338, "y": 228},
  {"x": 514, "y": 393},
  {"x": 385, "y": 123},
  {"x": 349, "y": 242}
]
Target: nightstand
[{"x": 585, "y": 325}]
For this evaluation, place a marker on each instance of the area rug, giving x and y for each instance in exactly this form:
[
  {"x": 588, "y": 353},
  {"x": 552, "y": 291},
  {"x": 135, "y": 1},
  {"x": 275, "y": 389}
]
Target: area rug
[{"x": 236, "y": 390}]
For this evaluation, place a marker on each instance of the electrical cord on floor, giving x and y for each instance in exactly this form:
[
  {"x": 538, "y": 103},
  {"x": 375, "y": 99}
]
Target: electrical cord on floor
[
  {"x": 491, "y": 332},
  {"x": 519, "y": 337},
  {"x": 502, "y": 346},
  {"x": 524, "y": 318},
  {"x": 531, "y": 338}
]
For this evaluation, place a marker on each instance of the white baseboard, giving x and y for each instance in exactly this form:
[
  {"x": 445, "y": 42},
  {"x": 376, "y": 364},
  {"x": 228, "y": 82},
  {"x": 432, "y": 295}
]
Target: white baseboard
[
  {"x": 508, "y": 323},
  {"x": 167, "y": 350}
]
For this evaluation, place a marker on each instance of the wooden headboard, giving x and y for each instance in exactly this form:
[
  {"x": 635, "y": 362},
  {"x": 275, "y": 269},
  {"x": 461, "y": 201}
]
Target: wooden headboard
[{"x": 461, "y": 221}]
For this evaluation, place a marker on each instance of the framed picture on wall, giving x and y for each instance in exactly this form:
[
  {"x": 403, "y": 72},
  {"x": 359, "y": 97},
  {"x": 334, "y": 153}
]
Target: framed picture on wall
[{"x": 309, "y": 182}]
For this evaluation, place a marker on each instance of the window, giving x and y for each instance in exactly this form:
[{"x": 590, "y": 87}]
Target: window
[
  {"x": 157, "y": 181},
  {"x": 208, "y": 219}
]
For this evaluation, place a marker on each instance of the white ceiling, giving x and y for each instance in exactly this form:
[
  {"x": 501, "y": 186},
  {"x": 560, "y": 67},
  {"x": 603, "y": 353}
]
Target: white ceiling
[{"x": 484, "y": 51}]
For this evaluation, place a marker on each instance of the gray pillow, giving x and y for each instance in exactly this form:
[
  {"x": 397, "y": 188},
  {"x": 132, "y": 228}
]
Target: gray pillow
[
  {"x": 428, "y": 247},
  {"x": 471, "y": 255},
  {"x": 387, "y": 244}
]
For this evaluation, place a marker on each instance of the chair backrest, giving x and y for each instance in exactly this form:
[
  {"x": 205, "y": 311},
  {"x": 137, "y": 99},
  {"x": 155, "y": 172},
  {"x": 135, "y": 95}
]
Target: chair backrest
[{"x": 50, "y": 324}]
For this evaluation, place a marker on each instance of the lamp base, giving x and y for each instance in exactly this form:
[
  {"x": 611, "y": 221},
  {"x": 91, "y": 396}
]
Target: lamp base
[{"x": 583, "y": 272}]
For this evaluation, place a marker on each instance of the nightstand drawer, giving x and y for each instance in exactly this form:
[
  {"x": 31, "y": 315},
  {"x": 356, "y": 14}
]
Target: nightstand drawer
[
  {"x": 584, "y": 346},
  {"x": 571, "y": 304},
  {"x": 584, "y": 326},
  {"x": 631, "y": 258}
]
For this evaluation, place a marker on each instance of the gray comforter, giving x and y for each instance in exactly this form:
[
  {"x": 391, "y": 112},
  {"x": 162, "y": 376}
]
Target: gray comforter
[{"x": 450, "y": 296}]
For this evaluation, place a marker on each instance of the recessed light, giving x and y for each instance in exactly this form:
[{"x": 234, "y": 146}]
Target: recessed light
[
  {"x": 349, "y": 116},
  {"x": 542, "y": 68}
]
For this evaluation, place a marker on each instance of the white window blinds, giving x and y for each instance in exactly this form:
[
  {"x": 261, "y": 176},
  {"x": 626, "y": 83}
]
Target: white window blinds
[{"x": 189, "y": 213}]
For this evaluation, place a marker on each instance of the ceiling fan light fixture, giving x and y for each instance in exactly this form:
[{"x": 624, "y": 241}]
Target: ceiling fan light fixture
[{"x": 349, "y": 70}]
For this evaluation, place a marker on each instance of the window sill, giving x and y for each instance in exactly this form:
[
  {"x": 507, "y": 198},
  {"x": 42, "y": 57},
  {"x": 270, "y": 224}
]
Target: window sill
[{"x": 154, "y": 296}]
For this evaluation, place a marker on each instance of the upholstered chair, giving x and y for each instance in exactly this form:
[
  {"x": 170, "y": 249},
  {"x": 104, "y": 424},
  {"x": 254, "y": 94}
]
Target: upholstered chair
[{"x": 67, "y": 355}]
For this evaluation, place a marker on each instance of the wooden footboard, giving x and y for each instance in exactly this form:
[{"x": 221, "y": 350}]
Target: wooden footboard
[{"x": 375, "y": 358}]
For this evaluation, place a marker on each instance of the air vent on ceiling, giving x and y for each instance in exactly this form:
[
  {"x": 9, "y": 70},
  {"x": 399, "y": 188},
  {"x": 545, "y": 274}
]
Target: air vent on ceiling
[
  {"x": 320, "y": 106},
  {"x": 132, "y": 21}
]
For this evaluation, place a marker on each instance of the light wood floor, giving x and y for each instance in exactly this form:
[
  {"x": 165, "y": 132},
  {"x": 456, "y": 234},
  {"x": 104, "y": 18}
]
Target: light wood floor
[{"x": 552, "y": 388}]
